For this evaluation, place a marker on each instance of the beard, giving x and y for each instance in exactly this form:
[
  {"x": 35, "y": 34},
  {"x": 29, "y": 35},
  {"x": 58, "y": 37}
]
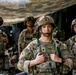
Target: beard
[{"x": 46, "y": 34}]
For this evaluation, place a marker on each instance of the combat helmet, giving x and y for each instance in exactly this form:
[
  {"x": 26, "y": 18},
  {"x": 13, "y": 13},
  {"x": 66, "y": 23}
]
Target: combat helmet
[
  {"x": 30, "y": 18},
  {"x": 44, "y": 20},
  {"x": 72, "y": 24}
]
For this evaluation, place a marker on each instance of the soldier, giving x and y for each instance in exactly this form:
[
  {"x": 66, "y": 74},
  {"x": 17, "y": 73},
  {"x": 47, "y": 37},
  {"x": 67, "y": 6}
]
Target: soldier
[
  {"x": 27, "y": 34},
  {"x": 3, "y": 43},
  {"x": 71, "y": 43},
  {"x": 4, "y": 35},
  {"x": 45, "y": 55},
  {"x": 73, "y": 27}
]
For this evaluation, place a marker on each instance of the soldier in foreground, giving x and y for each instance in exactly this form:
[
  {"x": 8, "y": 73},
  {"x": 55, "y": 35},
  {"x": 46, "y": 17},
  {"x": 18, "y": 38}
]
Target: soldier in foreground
[
  {"x": 71, "y": 43},
  {"x": 45, "y": 55},
  {"x": 27, "y": 34}
]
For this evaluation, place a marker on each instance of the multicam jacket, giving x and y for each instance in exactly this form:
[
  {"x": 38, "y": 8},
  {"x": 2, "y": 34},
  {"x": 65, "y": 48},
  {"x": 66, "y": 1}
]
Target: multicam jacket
[
  {"x": 71, "y": 43},
  {"x": 48, "y": 67},
  {"x": 25, "y": 37}
]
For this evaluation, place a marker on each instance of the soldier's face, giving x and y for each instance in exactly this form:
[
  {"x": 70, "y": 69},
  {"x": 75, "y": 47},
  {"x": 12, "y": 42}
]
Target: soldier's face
[
  {"x": 74, "y": 28},
  {"x": 46, "y": 30},
  {"x": 29, "y": 23}
]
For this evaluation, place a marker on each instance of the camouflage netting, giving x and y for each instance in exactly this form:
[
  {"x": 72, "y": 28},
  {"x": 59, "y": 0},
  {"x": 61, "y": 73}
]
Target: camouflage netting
[{"x": 21, "y": 8}]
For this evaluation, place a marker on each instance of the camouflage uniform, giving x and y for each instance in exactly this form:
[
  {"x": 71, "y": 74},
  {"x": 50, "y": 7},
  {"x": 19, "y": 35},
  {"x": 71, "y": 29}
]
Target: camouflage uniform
[
  {"x": 71, "y": 43},
  {"x": 32, "y": 49},
  {"x": 48, "y": 67},
  {"x": 25, "y": 37}
]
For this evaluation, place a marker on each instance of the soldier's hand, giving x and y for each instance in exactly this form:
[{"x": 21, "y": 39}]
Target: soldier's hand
[
  {"x": 40, "y": 58},
  {"x": 55, "y": 58}
]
